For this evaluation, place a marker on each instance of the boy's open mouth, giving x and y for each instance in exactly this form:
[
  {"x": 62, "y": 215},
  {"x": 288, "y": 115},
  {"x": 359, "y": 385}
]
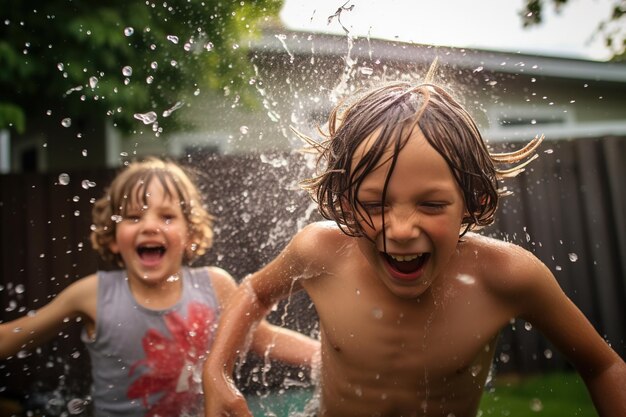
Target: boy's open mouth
[
  {"x": 150, "y": 253},
  {"x": 405, "y": 267}
]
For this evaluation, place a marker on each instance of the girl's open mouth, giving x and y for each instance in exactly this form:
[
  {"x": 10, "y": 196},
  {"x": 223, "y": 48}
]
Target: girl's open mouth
[
  {"x": 405, "y": 267},
  {"x": 151, "y": 254}
]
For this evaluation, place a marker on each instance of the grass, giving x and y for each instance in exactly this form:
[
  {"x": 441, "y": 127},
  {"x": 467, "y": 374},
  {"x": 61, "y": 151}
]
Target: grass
[{"x": 548, "y": 395}]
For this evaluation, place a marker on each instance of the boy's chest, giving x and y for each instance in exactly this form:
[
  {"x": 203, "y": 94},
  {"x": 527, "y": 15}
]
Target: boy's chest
[{"x": 450, "y": 334}]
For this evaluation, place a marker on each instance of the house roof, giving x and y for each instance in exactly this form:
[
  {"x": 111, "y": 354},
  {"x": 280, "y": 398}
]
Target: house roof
[{"x": 365, "y": 49}]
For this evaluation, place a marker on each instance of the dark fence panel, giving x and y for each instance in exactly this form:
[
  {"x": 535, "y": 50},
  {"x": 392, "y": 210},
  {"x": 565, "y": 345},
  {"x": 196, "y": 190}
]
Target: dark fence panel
[{"x": 568, "y": 208}]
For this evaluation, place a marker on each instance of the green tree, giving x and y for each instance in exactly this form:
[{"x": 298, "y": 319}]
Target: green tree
[
  {"x": 119, "y": 58},
  {"x": 612, "y": 28}
]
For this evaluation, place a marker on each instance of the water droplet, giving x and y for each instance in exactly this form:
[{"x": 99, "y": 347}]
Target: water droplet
[
  {"x": 127, "y": 71},
  {"x": 549, "y": 151},
  {"x": 536, "y": 405},
  {"x": 93, "y": 82},
  {"x": 171, "y": 110},
  {"x": 22, "y": 354},
  {"x": 475, "y": 370},
  {"x": 547, "y": 353},
  {"x": 76, "y": 406},
  {"x": 209, "y": 46},
  {"x": 19, "y": 289},
  {"x": 528, "y": 326},
  {"x": 76, "y": 213},
  {"x": 466, "y": 279},
  {"x": 173, "y": 39},
  {"x": 149, "y": 79},
  {"x": 377, "y": 313},
  {"x": 572, "y": 257},
  {"x": 129, "y": 31},
  {"x": 67, "y": 122},
  {"x": 64, "y": 179},
  {"x": 84, "y": 152},
  {"x": 173, "y": 278},
  {"x": 243, "y": 130},
  {"x": 367, "y": 70},
  {"x": 146, "y": 118}
]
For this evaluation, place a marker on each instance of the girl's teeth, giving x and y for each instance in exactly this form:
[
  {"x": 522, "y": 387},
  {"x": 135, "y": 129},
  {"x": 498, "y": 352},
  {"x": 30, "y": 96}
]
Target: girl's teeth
[{"x": 404, "y": 258}]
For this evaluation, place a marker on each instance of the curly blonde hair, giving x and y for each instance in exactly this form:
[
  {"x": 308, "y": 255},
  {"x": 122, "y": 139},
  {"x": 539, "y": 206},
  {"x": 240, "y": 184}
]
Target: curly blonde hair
[
  {"x": 395, "y": 109},
  {"x": 131, "y": 184}
]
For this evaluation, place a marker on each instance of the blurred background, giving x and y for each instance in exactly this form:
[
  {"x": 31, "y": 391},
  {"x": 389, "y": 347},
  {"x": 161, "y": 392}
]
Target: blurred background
[{"x": 216, "y": 85}]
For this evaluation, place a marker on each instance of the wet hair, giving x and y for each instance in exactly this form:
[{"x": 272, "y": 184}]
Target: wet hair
[
  {"x": 392, "y": 112},
  {"x": 129, "y": 188}
]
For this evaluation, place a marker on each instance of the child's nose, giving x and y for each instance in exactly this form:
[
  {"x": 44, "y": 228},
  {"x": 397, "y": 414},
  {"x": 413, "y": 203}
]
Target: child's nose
[
  {"x": 402, "y": 226},
  {"x": 151, "y": 224}
]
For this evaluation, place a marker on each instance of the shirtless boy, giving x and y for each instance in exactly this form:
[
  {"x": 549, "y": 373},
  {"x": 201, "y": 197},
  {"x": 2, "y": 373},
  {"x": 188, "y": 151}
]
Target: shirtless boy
[{"x": 410, "y": 300}]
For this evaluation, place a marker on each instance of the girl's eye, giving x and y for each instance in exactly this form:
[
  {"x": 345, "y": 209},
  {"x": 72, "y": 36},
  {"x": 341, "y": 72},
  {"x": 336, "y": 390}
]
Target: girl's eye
[{"x": 169, "y": 218}]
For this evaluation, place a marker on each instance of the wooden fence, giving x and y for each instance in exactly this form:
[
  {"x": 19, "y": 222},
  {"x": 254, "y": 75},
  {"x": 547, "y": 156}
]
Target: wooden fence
[{"x": 568, "y": 208}]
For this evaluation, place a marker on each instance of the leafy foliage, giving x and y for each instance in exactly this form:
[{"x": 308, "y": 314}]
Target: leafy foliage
[
  {"x": 613, "y": 28},
  {"x": 116, "y": 58}
]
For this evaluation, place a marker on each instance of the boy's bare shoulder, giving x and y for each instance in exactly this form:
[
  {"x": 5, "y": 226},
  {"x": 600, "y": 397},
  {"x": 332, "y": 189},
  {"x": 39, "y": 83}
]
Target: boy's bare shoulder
[
  {"x": 318, "y": 235},
  {"x": 504, "y": 267},
  {"x": 319, "y": 241}
]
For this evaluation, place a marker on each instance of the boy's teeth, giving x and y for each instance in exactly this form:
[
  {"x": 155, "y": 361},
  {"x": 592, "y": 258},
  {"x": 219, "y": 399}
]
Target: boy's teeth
[{"x": 404, "y": 258}]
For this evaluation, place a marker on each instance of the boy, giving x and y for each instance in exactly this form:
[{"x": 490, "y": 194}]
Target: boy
[
  {"x": 410, "y": 302},
  {"x": 149, "y": 325}
]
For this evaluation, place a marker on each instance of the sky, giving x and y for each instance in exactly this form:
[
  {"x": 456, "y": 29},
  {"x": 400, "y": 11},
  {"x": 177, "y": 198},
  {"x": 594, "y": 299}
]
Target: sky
[{"x": 484, "y": 24}]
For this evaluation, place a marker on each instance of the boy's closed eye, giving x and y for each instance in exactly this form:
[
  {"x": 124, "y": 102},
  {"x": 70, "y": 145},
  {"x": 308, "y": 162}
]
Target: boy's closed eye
[
  {"x": 373, "y": 208},
  {"x": 433, "y": 207}
]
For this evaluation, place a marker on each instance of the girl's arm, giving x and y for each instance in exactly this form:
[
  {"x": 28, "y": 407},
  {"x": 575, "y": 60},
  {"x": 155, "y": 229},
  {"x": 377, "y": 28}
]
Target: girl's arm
[
  {"x": 32, "y": 330},
  {"x": 285, "y": 345},
  {"x": 276, "y": 342},
  {"x": 245, "y": 309}
]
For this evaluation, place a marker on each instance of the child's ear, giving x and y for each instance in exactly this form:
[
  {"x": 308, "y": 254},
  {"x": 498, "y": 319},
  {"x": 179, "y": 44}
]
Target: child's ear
[{"x": 114, "y": 248}]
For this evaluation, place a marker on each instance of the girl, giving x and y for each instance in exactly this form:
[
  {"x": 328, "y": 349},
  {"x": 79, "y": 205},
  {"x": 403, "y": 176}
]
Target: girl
[{"x": 149, "y": 326}]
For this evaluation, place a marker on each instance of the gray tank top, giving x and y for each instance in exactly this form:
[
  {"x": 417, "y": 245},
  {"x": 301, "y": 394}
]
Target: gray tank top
[{"x": 149, "y": 362}]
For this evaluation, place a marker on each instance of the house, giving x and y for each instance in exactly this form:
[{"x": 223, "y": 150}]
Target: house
[{"x": 300, "y": 76}]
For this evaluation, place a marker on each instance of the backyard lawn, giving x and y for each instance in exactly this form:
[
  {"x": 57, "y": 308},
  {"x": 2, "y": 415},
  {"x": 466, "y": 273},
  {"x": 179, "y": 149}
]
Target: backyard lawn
[{"x": 550, "y": 395}]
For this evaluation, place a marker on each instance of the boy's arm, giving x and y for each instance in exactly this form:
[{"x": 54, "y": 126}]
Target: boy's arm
[
  {"x": 543, "y": 303},
  {"x": 35, "y": 329},
  {"x": 246, "y": 308}
]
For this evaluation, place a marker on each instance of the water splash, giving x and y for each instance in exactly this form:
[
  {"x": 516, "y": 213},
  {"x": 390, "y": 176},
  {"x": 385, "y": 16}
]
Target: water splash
[
  {"x": 168, "y": 112},
  {"x": 146, "y": 118}
]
